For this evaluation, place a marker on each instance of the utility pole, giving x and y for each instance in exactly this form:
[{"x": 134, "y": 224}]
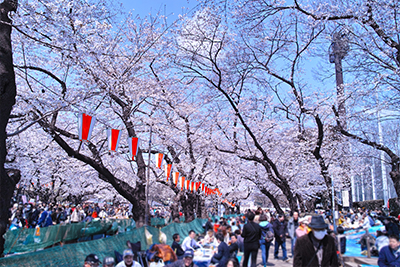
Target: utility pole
[{"x": 337, "y": 51}]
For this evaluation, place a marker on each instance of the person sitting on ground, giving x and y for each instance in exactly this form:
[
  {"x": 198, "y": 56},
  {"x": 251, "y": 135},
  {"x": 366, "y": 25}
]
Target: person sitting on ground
[
  {"x": 216, "y": 225},
  {"x": 187, "y": 260},
  {"x": 91, "y": 260},
  {"x": 221, "y": 258},
  {"x": 240, "y": 240},
  {"x": 189, "y": 242},
  {"x": 176, "y": 247},
  {"x": 128, "y": 260},
  {"x": 381, "y": 240},
  {"x": 233, "y": 247},
  {"x": 364, "y": 240},
  {"x": 390, "y": 255},
  {"x": 209, "y": 238},
  {"x": 108, "y": 262},
  {"x": 208, "y": 225},
  {"x": 234, "y": 226}
]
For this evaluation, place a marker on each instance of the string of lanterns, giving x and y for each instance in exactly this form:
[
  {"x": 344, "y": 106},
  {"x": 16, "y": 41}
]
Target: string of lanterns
[{"x": 86, "y": 124}]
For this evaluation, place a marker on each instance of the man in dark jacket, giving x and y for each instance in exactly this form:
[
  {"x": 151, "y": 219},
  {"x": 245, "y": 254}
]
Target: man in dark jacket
[
  {"x": 221, "y": 258},
  {"x": 233, "y": 247},
  {"x": 316, "y": 248},
  {"x": 280, "y": 231},
  {"x": 251, "y": 234},
  {"x": 390, "y": 255},
  {"x": 176, "y": 247}
]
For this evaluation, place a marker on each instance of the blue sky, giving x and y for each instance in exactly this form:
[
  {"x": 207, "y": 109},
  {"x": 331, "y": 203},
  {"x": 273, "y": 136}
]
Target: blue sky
[{"x": 171, "y": 8}]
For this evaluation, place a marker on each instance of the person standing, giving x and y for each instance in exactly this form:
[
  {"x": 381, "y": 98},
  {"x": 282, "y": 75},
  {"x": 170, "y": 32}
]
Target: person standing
[
  {"x": 251, "y": 235},
  {"x": 265, "y": 244},
  {"x": 280, "y": 231},
  {"x": 317, "y": 248},
  {"x": 292, "y": 226}
]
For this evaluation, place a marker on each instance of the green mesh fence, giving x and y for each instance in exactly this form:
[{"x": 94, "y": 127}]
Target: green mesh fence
[
  {"x": 74, "y": 254},
  {"x": 23, "y": 240}
]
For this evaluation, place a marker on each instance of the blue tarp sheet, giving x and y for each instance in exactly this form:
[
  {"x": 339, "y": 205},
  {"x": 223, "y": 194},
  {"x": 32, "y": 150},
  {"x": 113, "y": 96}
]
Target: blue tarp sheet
[{"x": 353, "y": 249}]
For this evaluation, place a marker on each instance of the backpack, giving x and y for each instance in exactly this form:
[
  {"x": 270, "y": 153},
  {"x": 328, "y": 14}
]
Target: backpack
[{"x": 269, "y": 236}]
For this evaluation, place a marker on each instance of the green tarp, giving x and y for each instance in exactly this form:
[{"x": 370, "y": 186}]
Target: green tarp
[{"x": 74, "y": 254}]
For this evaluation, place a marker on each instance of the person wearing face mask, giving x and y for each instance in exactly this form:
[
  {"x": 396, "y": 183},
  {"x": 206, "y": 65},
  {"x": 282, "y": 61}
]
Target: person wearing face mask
[{"x": 316, "y": 248}]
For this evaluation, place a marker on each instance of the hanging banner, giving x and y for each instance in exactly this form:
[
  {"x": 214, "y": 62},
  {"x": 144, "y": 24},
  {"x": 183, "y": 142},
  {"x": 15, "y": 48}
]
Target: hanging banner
[
  {"x": 86, "y": 124},
  {"x": 159, "y": 160},
  {"x": 182, "y": 184},
  {"x": 175, "y": 177},
  {"x": 133, "y": 146},
  {"x": 113, "y": 137},
  {"x": 202, "y": 187},
  {"x": 197, "y": 185},
  {"x": 168, "y": 169}
]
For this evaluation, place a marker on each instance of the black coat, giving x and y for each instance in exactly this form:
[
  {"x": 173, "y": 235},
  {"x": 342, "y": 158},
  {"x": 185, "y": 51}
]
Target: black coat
[
  {"x": 304, "y": 252},
  {"x": 280, "y": 230},
  {"x": 223, "y": 254},
  {"x": 233, "y": 249},
  {"x": 177, "y": 249},
  {"x": 251, "y": 233}
]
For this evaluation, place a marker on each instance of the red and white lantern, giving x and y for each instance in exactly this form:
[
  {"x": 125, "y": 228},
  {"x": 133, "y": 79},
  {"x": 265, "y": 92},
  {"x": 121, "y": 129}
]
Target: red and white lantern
[
  {"x": 168, "y": 169},
  {"x": 175, "y": 177},
  {"x": 113, "y": 136},
  {"x": 86, "y": 124},
  {"x": 133, "y": 146},
  {"x": 182, "y": 182},
  {"x": 187, "y": 185},
  {"x": 159, "y": 160},
  {"x": 197, "y": 186},
  {"x": 192, "y": 186}
]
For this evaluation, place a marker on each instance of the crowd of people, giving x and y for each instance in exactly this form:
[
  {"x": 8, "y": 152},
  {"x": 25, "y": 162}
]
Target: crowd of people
[
  {"x": 41, "y": 214},
  {"x": 312, "y": 238}
]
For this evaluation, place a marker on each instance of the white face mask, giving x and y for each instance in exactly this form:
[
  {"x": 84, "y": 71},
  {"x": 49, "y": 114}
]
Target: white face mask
[{"x": 319, "y": 234}]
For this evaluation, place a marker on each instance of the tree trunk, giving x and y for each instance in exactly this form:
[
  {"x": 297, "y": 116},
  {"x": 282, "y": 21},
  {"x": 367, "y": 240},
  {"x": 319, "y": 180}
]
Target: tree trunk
[
  {"x": 188, "y": 203},
  {"x": 8, "y": 91},
  {"x": 273, "y": 200}
]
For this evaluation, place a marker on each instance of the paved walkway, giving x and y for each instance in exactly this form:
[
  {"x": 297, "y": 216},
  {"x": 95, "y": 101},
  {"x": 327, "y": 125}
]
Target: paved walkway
[{"x": 274, "y": 262}]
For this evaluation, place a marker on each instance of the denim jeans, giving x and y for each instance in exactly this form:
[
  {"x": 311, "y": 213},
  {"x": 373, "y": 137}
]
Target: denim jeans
[
  {"x": 282, "y": 244},
  {"x": 293, "y": 243},
  {"x": 264, "y": 251}
]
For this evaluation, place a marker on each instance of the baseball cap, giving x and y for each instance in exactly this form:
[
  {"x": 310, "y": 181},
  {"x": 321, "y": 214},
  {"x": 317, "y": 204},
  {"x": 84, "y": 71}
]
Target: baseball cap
[
  {"x": 92, "y": 258},
  {"x": 188, "y": 253},
  {"x": 128, "y": 252},
  {"x": 108, "y": 260}
]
